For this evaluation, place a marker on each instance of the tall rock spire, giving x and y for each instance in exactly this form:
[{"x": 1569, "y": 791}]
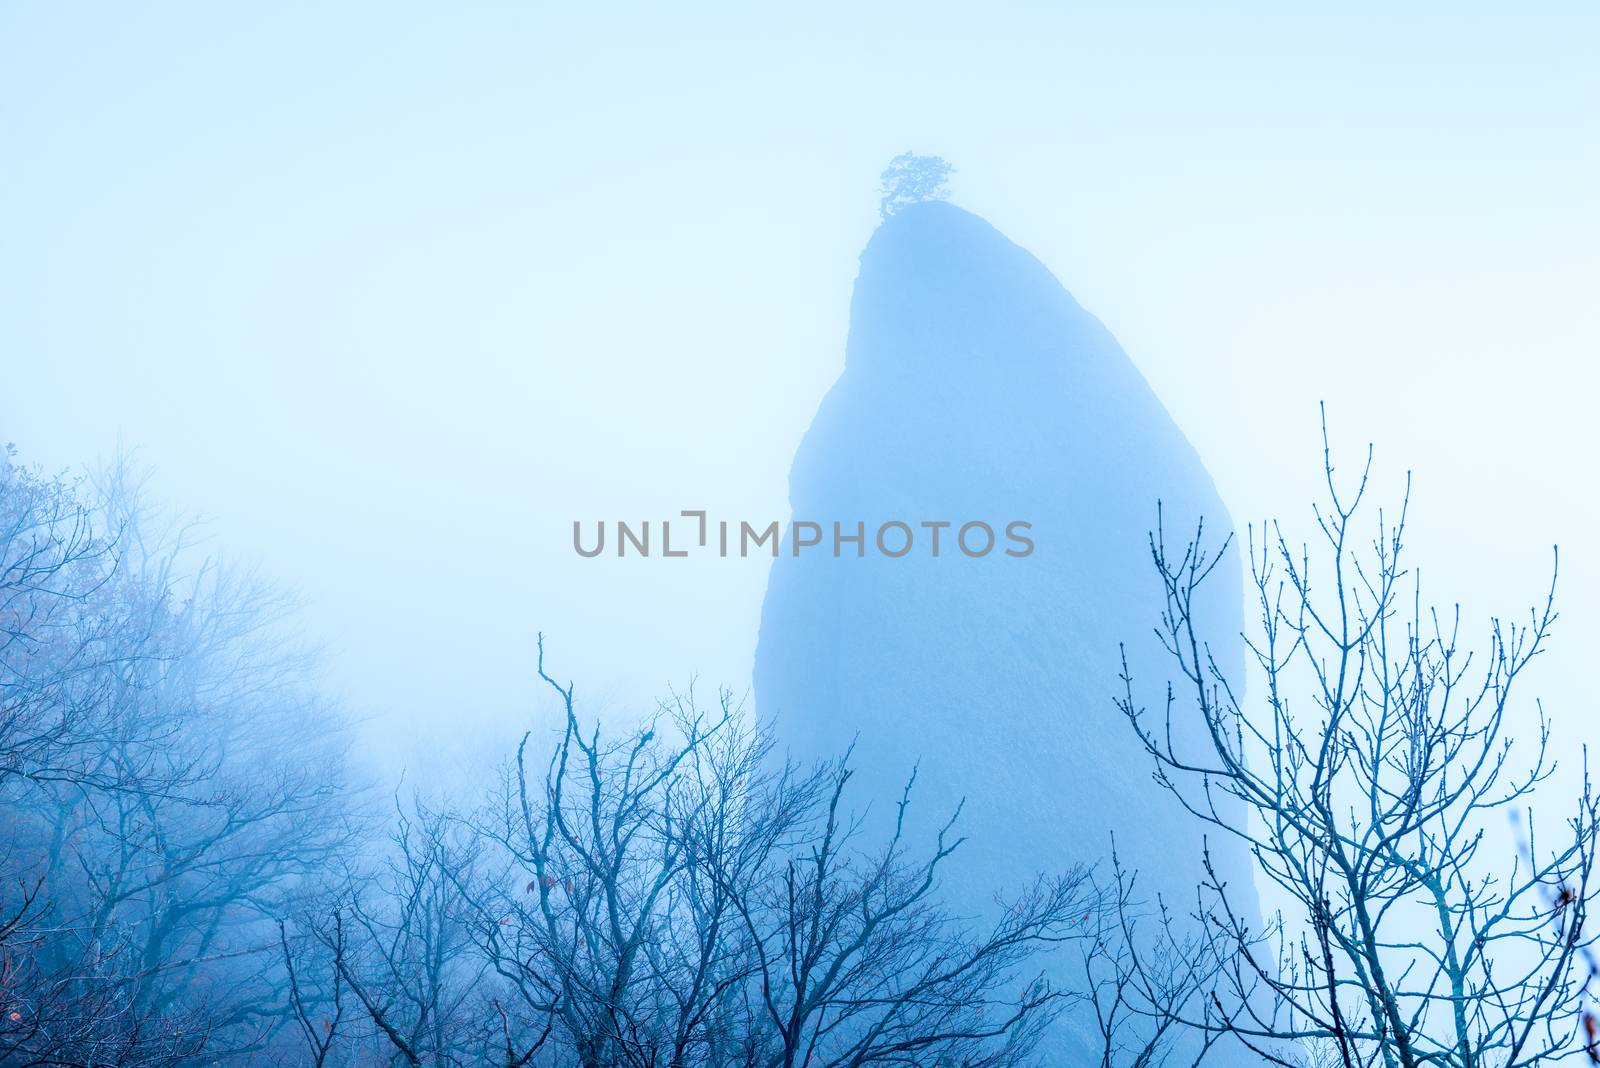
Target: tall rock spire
[{"x": 976, "y": 389}]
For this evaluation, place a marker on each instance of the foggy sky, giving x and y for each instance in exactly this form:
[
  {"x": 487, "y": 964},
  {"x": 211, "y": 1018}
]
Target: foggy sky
[{"x": 391, "y": 296}]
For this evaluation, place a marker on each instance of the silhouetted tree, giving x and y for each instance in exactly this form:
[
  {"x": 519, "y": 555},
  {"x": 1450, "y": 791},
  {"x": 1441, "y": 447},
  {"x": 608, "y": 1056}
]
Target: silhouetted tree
[
  {"x": 61, "y": 631},
  {"x": 1375, "y": 758},
  {"x": 1145, "y": 969},
  {"x": 678, "y": 898},
  {"x": 911, "y": 179},
  {"x": 169, "y": 785}
]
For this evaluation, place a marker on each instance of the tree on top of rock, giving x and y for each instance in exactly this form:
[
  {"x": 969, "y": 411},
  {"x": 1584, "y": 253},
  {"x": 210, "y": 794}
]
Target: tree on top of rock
[{"x": 911, "y": 179}]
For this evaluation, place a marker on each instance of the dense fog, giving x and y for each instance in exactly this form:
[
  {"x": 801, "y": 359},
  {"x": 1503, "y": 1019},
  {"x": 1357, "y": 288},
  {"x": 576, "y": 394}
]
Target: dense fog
[{"x": 331, "y": 337}]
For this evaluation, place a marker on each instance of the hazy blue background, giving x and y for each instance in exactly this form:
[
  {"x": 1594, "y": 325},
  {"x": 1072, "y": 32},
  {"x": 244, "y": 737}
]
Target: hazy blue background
[{"x": 391, "y": 295}]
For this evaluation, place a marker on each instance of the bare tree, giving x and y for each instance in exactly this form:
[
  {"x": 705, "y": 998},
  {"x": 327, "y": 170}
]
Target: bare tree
[
  {"x": 609, "y": 912},
  {"x": 1377, "y": 765},
  {"x": 678, "y": 898},
  {"x": 59, "y": 631},
  {"x": 861, "y": 963},
  {"x": 1144, "y": 970},
  {"x": 399, "y": 941},
  {"x": 171, "y": 783},
  {"x": 318, "y": 1013},
  {"x": 65, "y": 633},
  {"x": 694, "y": 901}
]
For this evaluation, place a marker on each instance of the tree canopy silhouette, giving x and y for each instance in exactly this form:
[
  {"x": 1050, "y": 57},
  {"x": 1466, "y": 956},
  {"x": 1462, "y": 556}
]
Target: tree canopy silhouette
[{"x": 911, "y": 179}]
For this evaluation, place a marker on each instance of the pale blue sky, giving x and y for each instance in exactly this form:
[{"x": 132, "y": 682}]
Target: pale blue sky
[{"x": 391, "y": 294}]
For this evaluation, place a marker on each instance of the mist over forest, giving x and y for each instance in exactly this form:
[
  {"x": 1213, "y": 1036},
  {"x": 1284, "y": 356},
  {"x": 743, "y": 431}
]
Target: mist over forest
[
  {"x": 706, "y": 537},
  {"x": 925, "y": 840}
]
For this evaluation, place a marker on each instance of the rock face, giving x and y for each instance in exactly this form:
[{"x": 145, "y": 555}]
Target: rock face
[{"x": 976, "y": 388}]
